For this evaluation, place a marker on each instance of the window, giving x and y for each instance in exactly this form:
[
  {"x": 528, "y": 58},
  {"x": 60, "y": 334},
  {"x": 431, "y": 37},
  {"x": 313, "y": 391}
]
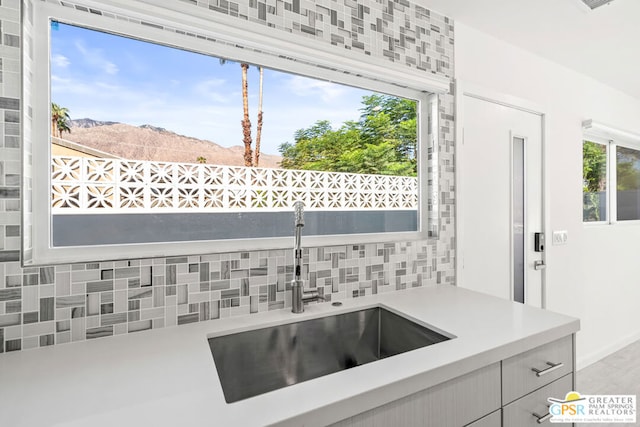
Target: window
[
  {"x": 594, "y": 181},
  {"x": 627, "y": 183},
  {"x": 357, "y": 173},
  {"x": 610, "y": 160}
]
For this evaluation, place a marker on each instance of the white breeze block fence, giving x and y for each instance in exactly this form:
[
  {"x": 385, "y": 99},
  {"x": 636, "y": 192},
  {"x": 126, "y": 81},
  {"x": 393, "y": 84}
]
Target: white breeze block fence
[{"x": 90, "y": 185}]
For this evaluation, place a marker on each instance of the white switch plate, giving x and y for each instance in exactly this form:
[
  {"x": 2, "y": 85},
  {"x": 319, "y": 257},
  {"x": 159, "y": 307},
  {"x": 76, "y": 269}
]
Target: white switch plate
[{"x": 560, "y": 237}]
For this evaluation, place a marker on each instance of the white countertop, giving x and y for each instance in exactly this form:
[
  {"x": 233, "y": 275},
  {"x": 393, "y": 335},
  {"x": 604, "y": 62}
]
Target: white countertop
[{"x": 166, "y": 377}]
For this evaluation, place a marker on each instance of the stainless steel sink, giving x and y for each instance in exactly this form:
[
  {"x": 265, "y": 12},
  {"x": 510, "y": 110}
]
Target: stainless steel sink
[{"x": 261, "y": 360}]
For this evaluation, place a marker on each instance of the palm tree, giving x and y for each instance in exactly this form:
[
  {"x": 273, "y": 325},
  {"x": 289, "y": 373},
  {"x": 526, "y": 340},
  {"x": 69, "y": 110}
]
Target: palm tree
[
  {"x": 62, "y": 126},
  {"x": 59, "y": 119},
  {"x": 246, "y": 123},
  {"x": 201, "y": 159},
  {"x": 256, "y": 163}
]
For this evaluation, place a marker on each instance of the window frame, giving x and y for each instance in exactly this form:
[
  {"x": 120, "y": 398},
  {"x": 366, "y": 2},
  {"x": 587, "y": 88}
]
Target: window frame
[
  {"x": 258, "y": 47},
  {"x": 611, "y": 137},
  {"x": 607, "y": 144}
]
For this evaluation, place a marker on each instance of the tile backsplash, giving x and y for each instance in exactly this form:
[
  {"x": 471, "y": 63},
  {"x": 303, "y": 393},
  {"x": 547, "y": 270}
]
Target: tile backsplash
[
  {"x": 64, "y": 303},
  {"x": 58, "y": 304}
]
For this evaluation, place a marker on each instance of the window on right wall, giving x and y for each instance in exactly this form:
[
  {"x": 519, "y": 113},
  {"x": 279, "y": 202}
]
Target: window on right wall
[
  {"x": 610, "y": 175},
  {"x": 594, "y": 181},
  {"x": 627, "y": 183}
]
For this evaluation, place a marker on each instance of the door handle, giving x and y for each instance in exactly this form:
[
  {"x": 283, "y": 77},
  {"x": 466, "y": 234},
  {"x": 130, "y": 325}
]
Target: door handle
[{"x": 539, "y": 265}]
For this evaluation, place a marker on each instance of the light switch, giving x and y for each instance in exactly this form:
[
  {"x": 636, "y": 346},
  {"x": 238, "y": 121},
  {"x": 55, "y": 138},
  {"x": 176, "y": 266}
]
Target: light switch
[{"x": 560, "y": 237}]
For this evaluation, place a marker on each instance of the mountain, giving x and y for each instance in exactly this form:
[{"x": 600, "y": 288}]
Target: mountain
[
  {"x": 89, "y": 123},
  {"x": 153, "y": 143}
]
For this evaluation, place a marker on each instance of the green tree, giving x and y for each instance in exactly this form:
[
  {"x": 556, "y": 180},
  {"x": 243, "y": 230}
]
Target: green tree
[
  {"x": 63, "y": 126},
  {"x": 382, "y": 142},
  {"x": 594, "y": 166},
  {"x": 594, "y": 178},
  {"x": 59, "y": 120},
  {"x": 320, "y": 148},
  {"x": 394, "y": 117},
  {"x": 627, "y": 169}
]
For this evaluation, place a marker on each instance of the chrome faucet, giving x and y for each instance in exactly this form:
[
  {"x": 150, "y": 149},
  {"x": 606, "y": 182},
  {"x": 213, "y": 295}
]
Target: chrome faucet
[{"x": 298, "y": 295}]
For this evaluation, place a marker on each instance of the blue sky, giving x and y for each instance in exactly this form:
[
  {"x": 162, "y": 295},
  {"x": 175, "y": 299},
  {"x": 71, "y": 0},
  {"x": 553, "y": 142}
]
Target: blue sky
[{"x": 105, "y": 77}]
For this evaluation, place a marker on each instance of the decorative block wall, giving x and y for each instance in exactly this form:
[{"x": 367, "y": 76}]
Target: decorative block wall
[{"x": 64, "y": 303}]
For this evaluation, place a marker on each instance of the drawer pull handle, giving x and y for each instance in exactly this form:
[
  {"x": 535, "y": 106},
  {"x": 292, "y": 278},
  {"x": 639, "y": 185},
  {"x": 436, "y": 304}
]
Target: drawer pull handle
[
  {"x": 541, "y": 418},
  {"x": 552, "y": 367}
]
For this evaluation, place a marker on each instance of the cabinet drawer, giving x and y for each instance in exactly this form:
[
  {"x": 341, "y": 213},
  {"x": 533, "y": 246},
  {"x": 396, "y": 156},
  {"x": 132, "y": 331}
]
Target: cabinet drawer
[
  {"x": 525, "y": 411},
  {"x": 454, "y": 403},
  {"x": 494, "y": 419},
  {"x": 551, "y": 361}
]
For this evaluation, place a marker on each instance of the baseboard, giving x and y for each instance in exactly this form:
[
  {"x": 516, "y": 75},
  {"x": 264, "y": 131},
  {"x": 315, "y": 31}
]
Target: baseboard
[{"x": 584, "y": 361}]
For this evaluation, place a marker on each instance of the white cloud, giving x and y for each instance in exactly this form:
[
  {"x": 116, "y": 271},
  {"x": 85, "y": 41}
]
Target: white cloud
[
  {"x": 327, "y": 91},
  {"x": 211, "y": 89},
  {"x": 110, "y": 68},
  {"x": 60, "y": 61},
  {"x": 95, "y": 58},
  {"x": 57, "y": 80}
]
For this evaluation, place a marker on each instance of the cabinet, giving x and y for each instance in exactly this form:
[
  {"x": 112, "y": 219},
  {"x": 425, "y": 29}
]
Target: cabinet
[
  {"x": 507, "y": 393},
  {"x": 494, "y": 419},
  {"x": 530, "y": 378},
  {"x": 457, "y": 402},
  {"x": 526, "y": 411},
  {"x": 551, "y": 361}
]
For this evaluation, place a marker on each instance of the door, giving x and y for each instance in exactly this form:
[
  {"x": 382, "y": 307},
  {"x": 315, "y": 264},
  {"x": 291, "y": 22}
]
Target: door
[{"x": 500, "y": 201}]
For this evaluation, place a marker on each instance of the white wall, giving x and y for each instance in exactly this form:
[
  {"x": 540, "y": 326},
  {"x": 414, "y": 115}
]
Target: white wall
[{"x": 595, "y": 276}]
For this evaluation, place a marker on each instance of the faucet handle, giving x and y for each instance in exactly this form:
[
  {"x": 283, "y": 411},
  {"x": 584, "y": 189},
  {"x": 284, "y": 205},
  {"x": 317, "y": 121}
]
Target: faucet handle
[
  {"x": 309, "y": 296},
  {"x": 322, "y": 296}
]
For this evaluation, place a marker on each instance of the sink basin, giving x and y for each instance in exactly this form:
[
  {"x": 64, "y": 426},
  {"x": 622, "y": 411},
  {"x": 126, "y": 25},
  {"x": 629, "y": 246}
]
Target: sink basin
[{"x": 261, "y": 360}]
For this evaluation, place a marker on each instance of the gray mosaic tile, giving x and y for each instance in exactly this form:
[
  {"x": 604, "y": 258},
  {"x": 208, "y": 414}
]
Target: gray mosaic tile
[
  {"x": 9, "y": 192},
  {"x": 63, "y": 326},
  {"x": 112, "y": 319},
  {"x": 188, "y": 318},
  {"x": 140, "y": 326},
  {"x": 47, "y": 311},
  {"x": 70, "y": 301},
  {"x": 46, "y": 340},
  {"x": 8, "y": 256},
  {"x": 101, "y": 286},
  {"x": 104, "y": 331},
  {"x": 47, "y": 275},
  {"x": 106, "y": 308},
  {"x": 13, "y": 307},
  {"x": 30, "y": 279},
  {"x": 9, "y": 103},
  {"x": 10, "y": 294},
  {"x": 28, "y": 318},
  {"x": 12, "y": 231},
  {"x": 13, "y": 345}
]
